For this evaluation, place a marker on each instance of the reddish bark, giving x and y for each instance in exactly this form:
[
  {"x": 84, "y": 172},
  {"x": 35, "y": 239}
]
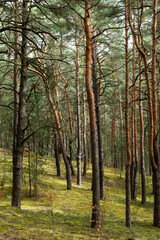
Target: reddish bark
[{"x": 93, "y": 126}]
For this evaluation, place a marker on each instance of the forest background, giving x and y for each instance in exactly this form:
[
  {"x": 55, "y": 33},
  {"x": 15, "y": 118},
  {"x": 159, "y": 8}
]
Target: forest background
[{"x": 80, "y": 79}]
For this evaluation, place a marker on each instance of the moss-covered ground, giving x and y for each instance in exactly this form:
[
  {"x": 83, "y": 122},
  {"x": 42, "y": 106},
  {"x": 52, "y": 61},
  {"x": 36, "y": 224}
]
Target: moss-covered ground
[{"x": 61, "y": 214}]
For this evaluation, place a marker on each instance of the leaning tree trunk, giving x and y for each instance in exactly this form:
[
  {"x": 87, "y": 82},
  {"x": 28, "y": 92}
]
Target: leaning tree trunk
[
  {"x": 18, "y": 159},
  {"x": 70, "y": 124},
  {"x": 93, "y": 125},
  {"x": 57, "y": 120},
  {"x": 67, "y": 165},
  {"x": 128, "y": 165}
]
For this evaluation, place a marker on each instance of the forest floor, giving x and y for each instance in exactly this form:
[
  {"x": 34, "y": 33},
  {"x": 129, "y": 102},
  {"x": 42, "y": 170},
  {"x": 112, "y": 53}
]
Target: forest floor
[{"x": 61, "y": 214}]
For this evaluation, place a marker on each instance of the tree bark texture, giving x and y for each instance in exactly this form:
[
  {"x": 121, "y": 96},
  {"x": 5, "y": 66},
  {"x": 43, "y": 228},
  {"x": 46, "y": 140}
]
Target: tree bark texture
[
  {"x": 18, "y": 160},
  {"x": 114, "y": 135},
  {"x": 79, "y": 158},
  {"x": 15, "y": 80},
  {"x": 134, "y": 165},
  {"x": 96, "y": 91},
  {"x": 128, "y": 165},
  {"x": 93, "y": 125},
  {"x": 142, "y": 162},
  {"x": 156, "y": 171},
  {"x": 57, "y": 154},
  {"x": 121, "y": 130},
  {"x": 84, "y": 136},
  {"x": 29, "y": 170}
]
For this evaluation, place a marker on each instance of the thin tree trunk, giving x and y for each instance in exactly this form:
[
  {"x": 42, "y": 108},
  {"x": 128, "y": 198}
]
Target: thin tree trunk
[
  {"x": 93, "y": 125},
  {"x": 18, "y": 161},
  {"x": 84, "y": 136},
  {"x": 143, "y": 180},
  {"x": 132, "y": 127},
  {"x": 114, "y": 131},
  {"x": 128, "y": 165},
  {"x": 29, "y": 177},
  {"x": 71, "y": 157},
  {"x": 142, "y": 162},
  {"x": 29, "y": 168},
  {"x": 70, "y": 124},
  {"x": 121, "y": 131},
  {"x": 79, "y": 166},
  {"x": 105, "y": 137},
  {"x": 134, "y": 165},
  {"x": 36, "y": 177}
]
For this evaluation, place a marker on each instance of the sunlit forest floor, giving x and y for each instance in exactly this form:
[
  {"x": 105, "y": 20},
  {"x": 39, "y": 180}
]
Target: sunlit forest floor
[{"x": 61, "y": 214}]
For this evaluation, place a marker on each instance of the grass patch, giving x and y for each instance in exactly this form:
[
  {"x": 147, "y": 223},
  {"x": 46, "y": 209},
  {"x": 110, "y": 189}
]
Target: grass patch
[{"x": 62, "y": 214}]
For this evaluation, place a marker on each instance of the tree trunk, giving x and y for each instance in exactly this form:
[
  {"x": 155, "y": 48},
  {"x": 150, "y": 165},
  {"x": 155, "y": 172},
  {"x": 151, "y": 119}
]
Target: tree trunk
[
  {"x": 93, "y": 125},
  {"x": 71, "y": 158},
  {"x": 121, "y": 131},
  {"x": 29, "y": 177},
  {"x": 114, "y": 133},
  {"x": 156, "y": 171},
  {"x": 134, "y": 165},
  {"x": 18, "y": 160},
  {"x": 128, "y": 214},
  {"x": 156, "y": 176},
  {"x": 143, "y": 179},
  {"x": 79, "y": 167},
  {"x": 36, "y": 177},
  {"x": 98, "y": 120},
  {"x": 67, "y": 165},
  {"x": 15, "y": 81},
  {"x": 70, "y": 124},
  {"x": 57, "y": 120},
  {"x": 84, "y": 136},
  {"x": 57, "y": 154},
  {"x": 29, "y": 168}
]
